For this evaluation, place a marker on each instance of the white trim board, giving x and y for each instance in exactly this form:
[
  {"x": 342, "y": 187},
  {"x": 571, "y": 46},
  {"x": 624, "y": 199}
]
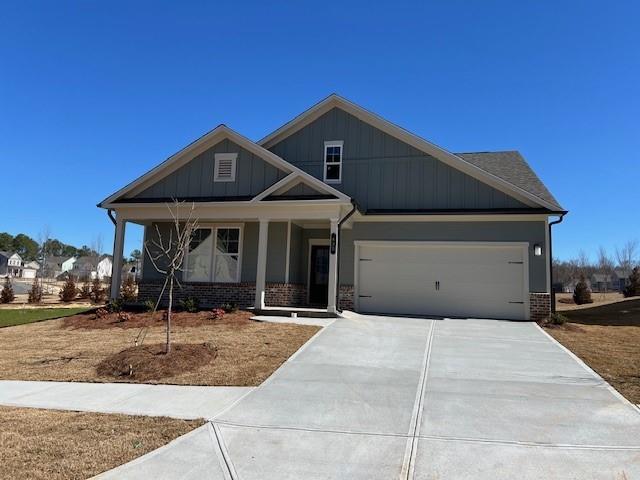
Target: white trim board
[{"x": 454, "y": 161}]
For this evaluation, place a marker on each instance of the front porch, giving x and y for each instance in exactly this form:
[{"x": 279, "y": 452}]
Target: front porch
[{"x": 263, "y": 263}]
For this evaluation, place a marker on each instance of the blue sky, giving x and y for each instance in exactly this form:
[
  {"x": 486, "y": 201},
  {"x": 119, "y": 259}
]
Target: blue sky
[{"x": 93, "y": 94}]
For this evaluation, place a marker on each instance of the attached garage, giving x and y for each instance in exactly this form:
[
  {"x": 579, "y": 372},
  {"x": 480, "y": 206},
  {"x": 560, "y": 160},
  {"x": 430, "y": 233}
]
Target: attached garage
[{"x": 451, "y": 279}]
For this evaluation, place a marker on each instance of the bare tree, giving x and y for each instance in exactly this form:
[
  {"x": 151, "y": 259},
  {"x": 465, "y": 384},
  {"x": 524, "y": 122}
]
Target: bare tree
[
  {"x": 167, "y": 252},
  {"x": 627, "y": 255},
  {"x": 44, "y": 238},
  {"x": 605, "y": 266},
  {"x": 97, "y": 245}
]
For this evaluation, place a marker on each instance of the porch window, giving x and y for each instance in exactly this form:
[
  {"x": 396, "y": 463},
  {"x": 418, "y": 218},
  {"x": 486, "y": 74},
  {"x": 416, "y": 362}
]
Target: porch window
[
  {"x": 214, "y": 255},
  {"x": 333, "y": 161}
]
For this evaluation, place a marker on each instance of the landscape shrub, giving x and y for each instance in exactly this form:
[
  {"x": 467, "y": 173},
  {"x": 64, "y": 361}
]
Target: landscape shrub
[
  {"x": 633, "y": 289},
  {"x": 229, "y": 307},
  {"x": 190, "y": 304},
  {"x": 102, "y": 312},
  {"x": 7, "y": 295},
  {"x": 98, "y": 293},
  {"x": 217, "y": 313},
  {"x": 115, "y": 305},
  {"x": 35, "y": 294},
  {"x": 85, "y": 289},
  {"x": 149, "y": 305},
  {"x": 556, "y": 318},
  {"x": 129, "y": 289},
  {"x": 124, "y": 316},
  {"x": 68, "y": 292},
  {"x": 582, "y": 294}
]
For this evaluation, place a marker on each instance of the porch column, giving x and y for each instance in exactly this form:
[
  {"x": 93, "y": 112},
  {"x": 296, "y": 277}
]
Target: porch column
[
  {"x": 333, "y": 266},
  {"x": 118, "y": 247},
  {"x": 261, "y": 271}
]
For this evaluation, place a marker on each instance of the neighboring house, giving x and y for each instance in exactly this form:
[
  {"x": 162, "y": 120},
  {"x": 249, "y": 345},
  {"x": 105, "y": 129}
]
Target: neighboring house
[
  {"x": 90, "y": 267},
  {"x": 30, "y": 269},
  {"x": 10, "y": 264},
  {"x": 614, "y": 282},
  {"x": 342, "y": 209},
  {"x": 55, "y": 266},
  {"x": 130, "y": 270}
]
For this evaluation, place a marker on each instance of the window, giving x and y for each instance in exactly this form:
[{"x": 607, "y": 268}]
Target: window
[
  {"x": 225, "y": 167},
  {"x": 214, "y": 255},
  {"x": 333, "y": 161}
]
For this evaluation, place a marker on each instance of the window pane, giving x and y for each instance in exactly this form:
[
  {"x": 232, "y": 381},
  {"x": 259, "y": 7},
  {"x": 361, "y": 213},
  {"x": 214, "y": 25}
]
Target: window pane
[
  {"x": 226, "y": 268},
  {"x": 228, "y": 240},
  {"x": 199, "y": 257},
  {"x": 333, "y": 171}
]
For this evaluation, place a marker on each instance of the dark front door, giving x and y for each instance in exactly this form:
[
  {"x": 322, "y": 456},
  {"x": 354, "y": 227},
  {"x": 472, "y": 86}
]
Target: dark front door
[{"x": 319, "y": 275}]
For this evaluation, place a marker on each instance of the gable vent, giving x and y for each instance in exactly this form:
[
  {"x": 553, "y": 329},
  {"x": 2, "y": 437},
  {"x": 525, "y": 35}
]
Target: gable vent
[{"x": 225, "y": 167}]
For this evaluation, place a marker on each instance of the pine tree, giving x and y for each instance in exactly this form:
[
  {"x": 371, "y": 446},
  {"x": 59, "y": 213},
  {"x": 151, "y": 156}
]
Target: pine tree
[
  {"x": 582, "y": 294},
  {"x": 129, "y": 288},
  {"x": 633, "y": 289},
  {"x": 98, "y": 293},
  {"x": 7, "y": 295},
  {"x": 68, "y": 292},
  {"x": 35, "y": 294}
]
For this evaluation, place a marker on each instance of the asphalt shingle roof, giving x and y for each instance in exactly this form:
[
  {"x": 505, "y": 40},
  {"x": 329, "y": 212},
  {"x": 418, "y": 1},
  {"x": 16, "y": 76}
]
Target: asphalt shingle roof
[{"x": 512, "y": 167}]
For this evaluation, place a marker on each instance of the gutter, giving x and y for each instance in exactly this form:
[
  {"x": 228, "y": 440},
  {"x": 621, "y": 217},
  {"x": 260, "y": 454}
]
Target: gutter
[
  {"x": 344, "y": 219},
  {"x": 553, "y": 292}
]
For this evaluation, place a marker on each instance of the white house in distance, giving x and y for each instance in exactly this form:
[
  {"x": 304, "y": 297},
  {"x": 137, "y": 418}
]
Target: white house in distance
[
  {"x": 10, "y": 264},
  {"x": 30, "y": 269},
  {"x": 90, "y": 267}
]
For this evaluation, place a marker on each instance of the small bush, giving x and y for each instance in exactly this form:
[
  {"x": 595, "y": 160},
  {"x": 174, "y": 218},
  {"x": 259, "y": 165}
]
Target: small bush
[
  {"x": 582, "y": 294},
  {"x": 229, "y": 307},
  {"x": 190, "y": 304},
  {"x": 98, "y": 292},
  {"x": 35, "y": 294},
  {"x": 68, "y": 292},
  {"x": 129, "y": 289},
  {"x": 556, "y": 319},
  {"x": 102, "y": 312},
  {"x": 217, "y": 313},
  {"x": 633, "y": 289},
  {"x": 124, "y": 316},
  {"x": 115, "y": 306},
  {"x": 149, "y": 305},
  {"x": 7, "y": 295},
  {"x": 85, "y": 289}
]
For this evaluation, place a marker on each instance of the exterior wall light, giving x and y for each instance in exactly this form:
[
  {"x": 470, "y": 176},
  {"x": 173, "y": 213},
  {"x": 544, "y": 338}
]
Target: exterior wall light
[{"x": 537, "y": 250}]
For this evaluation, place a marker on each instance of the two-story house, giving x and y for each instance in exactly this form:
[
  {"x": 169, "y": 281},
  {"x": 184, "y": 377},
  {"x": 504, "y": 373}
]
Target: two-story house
[
  {"x": 10, "y": 264},
  {"x": 342, "y": 209}
]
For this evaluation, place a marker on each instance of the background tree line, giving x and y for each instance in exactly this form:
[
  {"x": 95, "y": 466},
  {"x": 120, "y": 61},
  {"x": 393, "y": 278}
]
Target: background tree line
[{"x": 30, "y": 249}]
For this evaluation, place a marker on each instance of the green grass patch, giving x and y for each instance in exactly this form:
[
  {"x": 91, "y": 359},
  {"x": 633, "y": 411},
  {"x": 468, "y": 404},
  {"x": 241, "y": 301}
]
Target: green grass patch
[{"x": 9, "y": 318}]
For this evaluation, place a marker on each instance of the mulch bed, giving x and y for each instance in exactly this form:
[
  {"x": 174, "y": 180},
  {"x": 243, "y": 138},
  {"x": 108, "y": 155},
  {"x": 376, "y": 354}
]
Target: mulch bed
[
  {"x": 149, "y": 319},
  {"x": 150, "y": 362}
]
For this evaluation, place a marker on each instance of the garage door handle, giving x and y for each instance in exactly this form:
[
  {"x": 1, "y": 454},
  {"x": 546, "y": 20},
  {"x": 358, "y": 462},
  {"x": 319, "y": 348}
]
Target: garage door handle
[
  {"x": 437, "y": 284},
  {"x": 521, "y": 303},
  {"x": 364, "y": 296}
]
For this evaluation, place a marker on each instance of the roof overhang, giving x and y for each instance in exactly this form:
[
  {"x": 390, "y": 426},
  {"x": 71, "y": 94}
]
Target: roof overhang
[{"x": 454, "y": 161}]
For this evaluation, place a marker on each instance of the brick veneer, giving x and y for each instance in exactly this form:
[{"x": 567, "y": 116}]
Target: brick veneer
[
  {"x": 345, "y": 297},
  {"x": 285, "y": 295},
  {"x": 539, "y": 306}
]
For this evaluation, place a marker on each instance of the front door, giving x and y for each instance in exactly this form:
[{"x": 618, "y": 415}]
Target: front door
[{"x": 319, "y": 275}]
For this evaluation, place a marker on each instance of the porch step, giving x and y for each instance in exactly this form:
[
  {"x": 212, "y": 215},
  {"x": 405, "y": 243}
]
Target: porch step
[{"x": 300, "y": 312}]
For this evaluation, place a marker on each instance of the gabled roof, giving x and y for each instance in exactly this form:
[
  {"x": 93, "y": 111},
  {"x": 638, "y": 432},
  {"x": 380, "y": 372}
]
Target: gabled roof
[
  {"x": 487, "y": 175},
  {"x": 512, "y": 167},
  {"x": 221, "y": 132}
]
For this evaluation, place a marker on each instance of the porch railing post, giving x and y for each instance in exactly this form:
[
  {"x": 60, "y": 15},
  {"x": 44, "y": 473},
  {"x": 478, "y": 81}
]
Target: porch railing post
[
  {"x": 118, "y": 247},
  {"x": 261, "y": 270}
]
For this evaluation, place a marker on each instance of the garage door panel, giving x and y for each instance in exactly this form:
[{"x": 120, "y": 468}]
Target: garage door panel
[{"x": 481, "y": 281}]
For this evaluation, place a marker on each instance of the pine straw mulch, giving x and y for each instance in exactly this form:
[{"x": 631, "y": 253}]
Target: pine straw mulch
[
  {"x": 71, "y": 349},
  {"x": 47, "y": 444},
  {"x": 151, "y": 362}
]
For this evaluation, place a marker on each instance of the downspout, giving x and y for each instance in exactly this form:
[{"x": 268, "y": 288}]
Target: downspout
[
  {"x": 110, "y": 214},
  {"x": 553, "y": 292},
  {"x": 344, "y": 219}
]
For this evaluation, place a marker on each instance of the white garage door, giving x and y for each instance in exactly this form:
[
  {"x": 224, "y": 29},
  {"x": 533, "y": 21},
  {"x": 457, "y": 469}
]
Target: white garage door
[{"x": 443, "y": 279}]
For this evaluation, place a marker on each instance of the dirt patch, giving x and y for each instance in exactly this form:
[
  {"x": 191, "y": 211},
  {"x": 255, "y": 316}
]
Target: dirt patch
[
  {"x": 46, "y": 444},
  {"x": 151, "y": 363},
  {"x": 150, "y": 319}
]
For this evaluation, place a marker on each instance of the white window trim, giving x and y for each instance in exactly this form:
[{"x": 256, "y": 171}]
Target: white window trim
[
  {"x": 225, "y": 156},
  {"x": 215, "y": 227},
  {"x": 332, "y": 143}
]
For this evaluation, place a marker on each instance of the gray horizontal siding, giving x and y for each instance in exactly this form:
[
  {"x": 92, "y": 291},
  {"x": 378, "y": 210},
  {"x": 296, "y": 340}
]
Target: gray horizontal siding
[
  {"x": 532, "y": 232},
  {"x": 381, "y": 172},
  {"x": 195, "y": 179}
]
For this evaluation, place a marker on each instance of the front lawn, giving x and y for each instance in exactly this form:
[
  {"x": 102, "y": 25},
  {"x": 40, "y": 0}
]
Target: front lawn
[
  {"x": 234, "y": 350},
  {"x": 48, "y": 444},
  {"x": 20, "y": 316},
  {"x": 607, "y": 338}
]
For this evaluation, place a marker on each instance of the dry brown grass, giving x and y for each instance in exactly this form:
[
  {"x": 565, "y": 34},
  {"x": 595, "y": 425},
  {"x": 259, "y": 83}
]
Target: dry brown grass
[
  {"x": 607, "y": 338},
  {"x": 564, "y": 301},
  {"x": 247, "y": 351},
  {"x": 52, "y": 445}
]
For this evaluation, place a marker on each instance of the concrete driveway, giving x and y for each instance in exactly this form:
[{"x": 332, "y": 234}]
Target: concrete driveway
[{"x": 386, "y": 398}]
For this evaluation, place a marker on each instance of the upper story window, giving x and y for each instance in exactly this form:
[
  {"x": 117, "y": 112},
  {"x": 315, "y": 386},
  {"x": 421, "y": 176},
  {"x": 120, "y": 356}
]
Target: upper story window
[
  {"x": 333, "y": 161},
  {"x": 225, "y": 167}
]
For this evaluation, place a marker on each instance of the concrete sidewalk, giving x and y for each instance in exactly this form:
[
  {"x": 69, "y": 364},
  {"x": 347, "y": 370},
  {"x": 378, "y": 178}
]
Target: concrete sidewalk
[{"x": 177, "y": 401}]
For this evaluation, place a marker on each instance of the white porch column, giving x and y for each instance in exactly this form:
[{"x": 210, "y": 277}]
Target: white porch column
[
  {"x": 261, "y": 271},
  {"x": 333, "y": 266},
  {"x": 118, "y": 247}
]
